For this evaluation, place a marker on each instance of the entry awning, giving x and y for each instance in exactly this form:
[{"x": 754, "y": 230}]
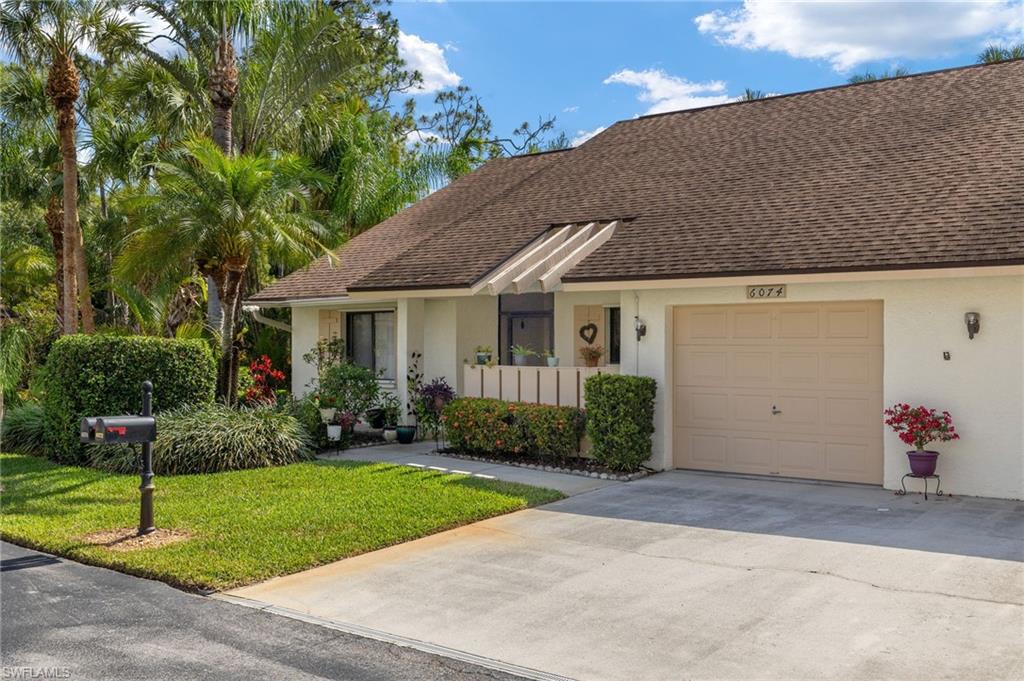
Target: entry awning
[{"x": 541, "y": 264}]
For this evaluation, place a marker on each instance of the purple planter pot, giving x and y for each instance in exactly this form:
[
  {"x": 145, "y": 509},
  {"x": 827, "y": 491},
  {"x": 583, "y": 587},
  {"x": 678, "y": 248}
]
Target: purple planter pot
[{"x": 922, "y": 462}]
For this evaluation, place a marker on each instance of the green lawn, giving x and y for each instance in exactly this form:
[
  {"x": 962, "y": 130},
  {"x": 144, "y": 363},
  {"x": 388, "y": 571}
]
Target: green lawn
[{"x": 246, "y": 526}]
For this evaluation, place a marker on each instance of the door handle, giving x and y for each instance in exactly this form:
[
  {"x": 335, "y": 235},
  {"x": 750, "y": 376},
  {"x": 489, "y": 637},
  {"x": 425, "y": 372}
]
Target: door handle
[{"x": 776, "y": 411}]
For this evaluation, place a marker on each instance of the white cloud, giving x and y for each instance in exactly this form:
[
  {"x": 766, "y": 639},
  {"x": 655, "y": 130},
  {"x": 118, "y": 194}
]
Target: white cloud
[
  {"x": 152, "y": 26},
  {"x": 665, "y": 92},
  {"x": 851, "y": 33},
  {"x": 570, "y": 109},
  {"x": 583, "y": 135},
  {"x": 427, "y": 58}
]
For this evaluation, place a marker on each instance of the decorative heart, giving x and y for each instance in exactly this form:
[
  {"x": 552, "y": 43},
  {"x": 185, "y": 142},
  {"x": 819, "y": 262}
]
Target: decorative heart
[{"x": 588, "y": 332}]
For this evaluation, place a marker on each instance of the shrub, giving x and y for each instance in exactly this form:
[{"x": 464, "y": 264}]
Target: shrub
[
  {"x": 307, "y": 412},
  {"x": 102, "y": 375},
  {"x": 22, "y": 429},
  {"x": 353, "y": 388},
  {"x": 483, "y": 425},
  {"x": 211, "y": 438},
  {"x": 620, "y": 419}
]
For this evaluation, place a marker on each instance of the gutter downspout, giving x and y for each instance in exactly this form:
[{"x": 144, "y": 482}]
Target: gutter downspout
[{"x": 254, "y": 310}]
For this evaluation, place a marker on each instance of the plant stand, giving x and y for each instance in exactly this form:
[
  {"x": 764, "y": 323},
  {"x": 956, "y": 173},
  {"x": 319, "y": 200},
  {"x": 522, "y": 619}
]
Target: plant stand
[{"x": 938, "y": 484}]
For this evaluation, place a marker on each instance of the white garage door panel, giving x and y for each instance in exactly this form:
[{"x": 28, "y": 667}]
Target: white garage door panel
[{"x": 781, "y": 389}]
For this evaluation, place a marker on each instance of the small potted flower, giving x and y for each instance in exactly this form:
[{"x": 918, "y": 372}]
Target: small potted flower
[
  {"x": 591, "y": 354},
  {"x": 328, "y": 407},
  {"x": 920, "y": 426},
  {"x": 551, "y": 358},
  {"x": 483, "y": 354},
  {"x": 521, "y": 354}
]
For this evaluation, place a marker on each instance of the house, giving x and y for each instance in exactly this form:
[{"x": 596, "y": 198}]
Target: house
[{"x": 795, "y": 265}]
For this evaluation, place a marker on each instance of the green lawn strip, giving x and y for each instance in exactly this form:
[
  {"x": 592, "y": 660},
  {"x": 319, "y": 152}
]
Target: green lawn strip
[{"x": 246, "y": 526}]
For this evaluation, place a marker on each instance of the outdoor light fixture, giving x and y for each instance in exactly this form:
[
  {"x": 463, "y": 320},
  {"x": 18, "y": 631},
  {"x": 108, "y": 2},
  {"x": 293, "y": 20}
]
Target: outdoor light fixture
[
  {"x": 641, "y": 328},
  {"x": 973, "y": 321}
]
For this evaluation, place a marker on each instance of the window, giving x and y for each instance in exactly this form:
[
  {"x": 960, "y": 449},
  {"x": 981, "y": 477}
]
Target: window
[
  {"x": 614, "y": 334},
  {"x": 370, "y": 342}
]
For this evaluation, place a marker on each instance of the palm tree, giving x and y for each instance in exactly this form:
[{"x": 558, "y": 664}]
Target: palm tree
[
  {"x": 871, "y": 76},
  {"x": 222, "y": 213},
  {"x": 52, "y": 33},
  {"x": 993, "y": 54},
  {"x": 753, "y": 95}
]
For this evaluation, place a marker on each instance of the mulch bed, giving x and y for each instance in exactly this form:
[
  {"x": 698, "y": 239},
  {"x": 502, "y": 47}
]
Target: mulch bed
[
  {"x": 577, "y": 465},
  {"x": 128, "y": 538}
]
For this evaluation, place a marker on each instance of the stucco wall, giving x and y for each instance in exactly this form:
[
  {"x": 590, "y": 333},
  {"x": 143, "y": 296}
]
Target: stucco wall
[
  {"x": 305, "y": 334},
  {"x": 982, "y": 384},
  {"x": 565, "y": 326}
]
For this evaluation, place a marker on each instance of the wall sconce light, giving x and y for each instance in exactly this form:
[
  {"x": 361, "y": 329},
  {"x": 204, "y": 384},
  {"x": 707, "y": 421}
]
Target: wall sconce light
[
  {"x": 640, "y": 327},
  {"x": 973, "y": 322}
]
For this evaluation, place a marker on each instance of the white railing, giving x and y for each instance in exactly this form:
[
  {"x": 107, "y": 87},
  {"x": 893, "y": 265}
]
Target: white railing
[{"x": 561, "y": 386}]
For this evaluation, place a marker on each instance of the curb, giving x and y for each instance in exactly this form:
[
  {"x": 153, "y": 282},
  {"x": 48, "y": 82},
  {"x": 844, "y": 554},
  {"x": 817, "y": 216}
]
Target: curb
[{"x": 366, "y": 632}]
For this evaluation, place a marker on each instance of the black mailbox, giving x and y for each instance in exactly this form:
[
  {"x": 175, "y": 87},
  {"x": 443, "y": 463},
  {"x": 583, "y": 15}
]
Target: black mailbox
[
  {"x": 108, "y": 430},
  {"x": 124, "y": 429}
]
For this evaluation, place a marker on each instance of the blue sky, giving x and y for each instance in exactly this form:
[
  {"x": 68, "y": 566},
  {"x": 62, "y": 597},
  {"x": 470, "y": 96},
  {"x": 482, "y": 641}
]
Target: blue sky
[{"x": 592, "y": 63}]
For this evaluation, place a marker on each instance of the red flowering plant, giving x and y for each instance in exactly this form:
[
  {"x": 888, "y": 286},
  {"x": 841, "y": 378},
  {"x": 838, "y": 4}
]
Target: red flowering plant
[
  {"x": 265, "y": 379},
  {"x": 919, "y": 426}
]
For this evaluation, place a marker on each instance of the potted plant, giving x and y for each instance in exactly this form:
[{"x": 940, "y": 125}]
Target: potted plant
[
  {"x": 375, "y": 417},
  {"x": 551, "y": 358},
  {"x": 328, "y": 407},
  {"x": 919, "y": 426},
  {"x": 392, "y": 410},
  {"x": 591, "y": 354},
  {"x": 520, "y": 354},
  {"x": 483, "y": 354},
  {"x": 405, "y": 434}
]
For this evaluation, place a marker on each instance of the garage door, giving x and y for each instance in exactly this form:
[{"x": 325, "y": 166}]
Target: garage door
[{"x": 780, "y": 389}]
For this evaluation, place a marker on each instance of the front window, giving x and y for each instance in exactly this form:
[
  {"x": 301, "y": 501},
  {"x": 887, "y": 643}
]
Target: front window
[{"x": 370, "y": 342}]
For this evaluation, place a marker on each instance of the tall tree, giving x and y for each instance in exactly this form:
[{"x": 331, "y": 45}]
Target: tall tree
[
  {"x": 53, "y": 33},
  {"x": 223, "y": 213}
]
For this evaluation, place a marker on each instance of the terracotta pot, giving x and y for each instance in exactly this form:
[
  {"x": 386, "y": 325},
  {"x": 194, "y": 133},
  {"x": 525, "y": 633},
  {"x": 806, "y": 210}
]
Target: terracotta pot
[
  {"x": 591, "y": 363},
  {"x": 922, "y": 462}
]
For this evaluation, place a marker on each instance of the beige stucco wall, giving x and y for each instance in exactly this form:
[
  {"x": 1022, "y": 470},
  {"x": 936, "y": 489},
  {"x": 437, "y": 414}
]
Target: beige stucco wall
[
  {"x": 982, "y": 384},
  {"x": 565, "y": 323}
]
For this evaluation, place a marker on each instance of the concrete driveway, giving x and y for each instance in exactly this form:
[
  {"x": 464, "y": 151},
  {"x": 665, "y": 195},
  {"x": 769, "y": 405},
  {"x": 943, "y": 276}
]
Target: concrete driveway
[{"x": 697, "y": 576}]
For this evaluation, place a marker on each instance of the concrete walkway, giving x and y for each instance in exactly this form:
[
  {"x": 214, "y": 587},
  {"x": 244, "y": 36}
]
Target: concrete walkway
[
  {"x": 421, "y": 455},
  {"x": 695, "y": 576}
]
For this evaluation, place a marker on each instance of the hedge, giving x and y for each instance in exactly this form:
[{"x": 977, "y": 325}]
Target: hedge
[
  {"x": 620, "y": 419},
  {"x": 211, "y": 438},
  {"x": 101, "y": 375},
  {"x": 488, "y": 426}
]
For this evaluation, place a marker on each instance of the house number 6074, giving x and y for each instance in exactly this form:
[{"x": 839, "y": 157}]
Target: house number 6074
[{"x": 754, "y": 292}]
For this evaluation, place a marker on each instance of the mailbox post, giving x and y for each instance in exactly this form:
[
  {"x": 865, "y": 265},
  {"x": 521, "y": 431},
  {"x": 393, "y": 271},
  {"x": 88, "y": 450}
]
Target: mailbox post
[
  {"x": 146, "y": 488},
  {"x": 130, "y": 430}
]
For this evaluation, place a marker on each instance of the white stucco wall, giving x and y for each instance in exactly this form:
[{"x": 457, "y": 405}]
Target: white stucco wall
[
  {"x": 982, "y": 384},
  {"x": 305, "y": 334}
]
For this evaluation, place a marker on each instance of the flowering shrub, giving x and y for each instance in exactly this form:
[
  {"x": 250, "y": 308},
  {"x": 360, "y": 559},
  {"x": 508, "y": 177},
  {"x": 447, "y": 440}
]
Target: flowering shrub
[
  {"x": 488, "y": 426},
  {"x": 265, "y": 379},
  {"x": 919, "y": 426}
]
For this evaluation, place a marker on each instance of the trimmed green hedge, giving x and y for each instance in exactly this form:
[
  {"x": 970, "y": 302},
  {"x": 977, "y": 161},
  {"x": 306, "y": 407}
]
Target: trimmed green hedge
[
  {"x": 102, "y": 375},
  {"x": 212, "y": 438},
  {"x": 620, "y": 419},
  {"x": 482, "y": 425}
]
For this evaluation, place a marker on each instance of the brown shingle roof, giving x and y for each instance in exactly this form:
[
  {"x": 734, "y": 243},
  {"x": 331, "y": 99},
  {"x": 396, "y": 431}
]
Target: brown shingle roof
[{"x": 919, "y": 171}]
